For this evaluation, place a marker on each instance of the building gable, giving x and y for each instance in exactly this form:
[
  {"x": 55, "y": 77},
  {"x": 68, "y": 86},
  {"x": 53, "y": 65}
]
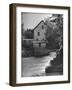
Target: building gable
[
  {"x": 42, "y": 22},
  {"x": 39, "y": 31}
]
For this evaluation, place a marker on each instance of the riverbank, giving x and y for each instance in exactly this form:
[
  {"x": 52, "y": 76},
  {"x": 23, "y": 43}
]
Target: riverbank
[{"x": 56, "y": 64}]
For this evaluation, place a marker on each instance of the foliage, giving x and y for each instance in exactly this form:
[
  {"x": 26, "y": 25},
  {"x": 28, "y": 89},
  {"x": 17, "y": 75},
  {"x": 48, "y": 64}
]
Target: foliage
[
  {"x": 54, "y": 32},
  {"x": 28, "y": 34}
]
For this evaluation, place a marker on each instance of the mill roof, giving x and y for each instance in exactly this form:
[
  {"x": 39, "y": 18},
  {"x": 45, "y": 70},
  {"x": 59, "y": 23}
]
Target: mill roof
[{"x": 39, "y": 24}]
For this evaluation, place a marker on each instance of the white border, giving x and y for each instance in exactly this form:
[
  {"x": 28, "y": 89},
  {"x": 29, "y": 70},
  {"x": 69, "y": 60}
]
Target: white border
[{"x": 63, "y": 77}]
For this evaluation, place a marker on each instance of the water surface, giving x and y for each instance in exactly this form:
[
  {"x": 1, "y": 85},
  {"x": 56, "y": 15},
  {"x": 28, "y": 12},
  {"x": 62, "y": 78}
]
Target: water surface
[{"x": 35, "y": 66}]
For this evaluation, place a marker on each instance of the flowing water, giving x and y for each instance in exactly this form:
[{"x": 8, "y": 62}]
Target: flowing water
[{"x": 35, "y": 66}]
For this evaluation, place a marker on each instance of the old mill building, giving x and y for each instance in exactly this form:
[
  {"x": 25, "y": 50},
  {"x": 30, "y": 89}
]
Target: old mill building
[{"x": 40, "y": 35}]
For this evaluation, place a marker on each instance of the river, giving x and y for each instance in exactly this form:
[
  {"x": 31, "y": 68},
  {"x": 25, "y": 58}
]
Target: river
[{"x": 35, "y": 66}]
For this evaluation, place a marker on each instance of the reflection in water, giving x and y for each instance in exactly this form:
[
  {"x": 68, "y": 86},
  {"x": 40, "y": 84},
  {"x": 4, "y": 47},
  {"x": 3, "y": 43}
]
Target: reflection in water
[{"x": 35, "y": 66}]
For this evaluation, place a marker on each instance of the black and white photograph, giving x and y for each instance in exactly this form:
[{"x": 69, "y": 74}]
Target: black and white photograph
[{"x": 41, "y": 44}]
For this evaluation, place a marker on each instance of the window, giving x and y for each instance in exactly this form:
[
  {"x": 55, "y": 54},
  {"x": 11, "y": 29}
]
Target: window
[
  {"x": 43, "y": 39},
  {"x": 39, "y": 44},
  {"x": 37, "y": 39},
  {"x": 42, "y": 27},
  {"x": 38, "y": 33}
]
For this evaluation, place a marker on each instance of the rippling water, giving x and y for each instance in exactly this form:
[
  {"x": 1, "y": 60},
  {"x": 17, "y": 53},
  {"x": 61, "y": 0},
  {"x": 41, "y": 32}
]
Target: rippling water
[{"x": 33, "y": 66}]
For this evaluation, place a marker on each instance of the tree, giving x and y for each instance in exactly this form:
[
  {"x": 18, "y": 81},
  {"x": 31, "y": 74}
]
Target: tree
[
  {"x": 59, "y": 23},
  {"x": 54, "y": 32},
  {"x": 28, "y": 34}
]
